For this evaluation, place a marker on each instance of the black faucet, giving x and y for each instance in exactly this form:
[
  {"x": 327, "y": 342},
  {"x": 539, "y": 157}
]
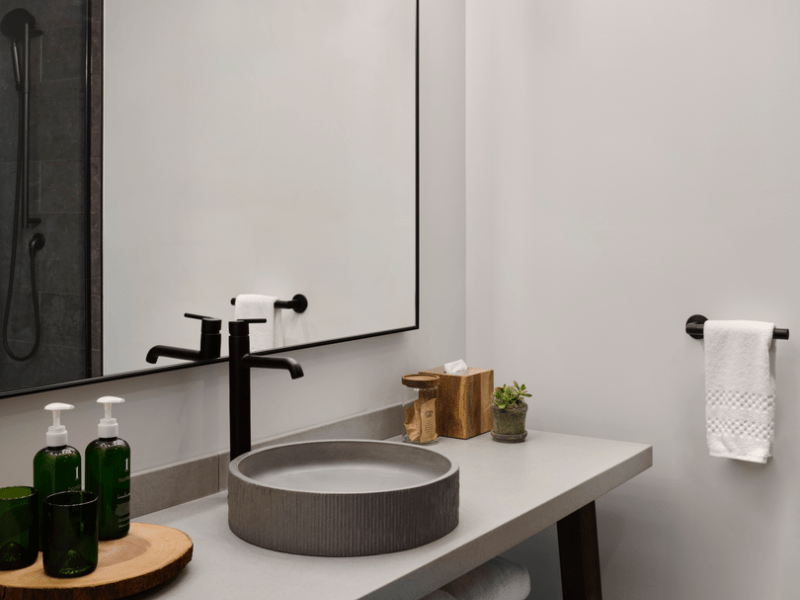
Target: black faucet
[
  {"x": 210, "y": 342},
  {"x": 240, "y": 361}
]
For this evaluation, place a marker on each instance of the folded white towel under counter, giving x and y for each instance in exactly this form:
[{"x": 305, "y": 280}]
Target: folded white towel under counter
[
  {"x": 498, "y": 579},
  {"x": 740, "y": 389},
  {"x": 255, "y": 306}
]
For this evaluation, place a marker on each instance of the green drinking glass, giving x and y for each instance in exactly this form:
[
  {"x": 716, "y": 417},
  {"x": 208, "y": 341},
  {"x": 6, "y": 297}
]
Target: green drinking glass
[
  {"x": 70, "y": 529},
  {"x": 19, "y": 527}
]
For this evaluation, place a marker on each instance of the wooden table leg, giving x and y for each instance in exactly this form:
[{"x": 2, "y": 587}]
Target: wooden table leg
[{"x": 579, "y": 555}]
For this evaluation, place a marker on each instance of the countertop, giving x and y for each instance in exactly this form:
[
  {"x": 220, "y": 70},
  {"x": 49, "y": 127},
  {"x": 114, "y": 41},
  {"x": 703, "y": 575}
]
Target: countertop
[{"x": 508, "y": 493}]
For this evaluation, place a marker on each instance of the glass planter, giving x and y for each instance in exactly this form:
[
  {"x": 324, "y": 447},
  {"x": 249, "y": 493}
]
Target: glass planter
[{"x": 509, "y": 423}]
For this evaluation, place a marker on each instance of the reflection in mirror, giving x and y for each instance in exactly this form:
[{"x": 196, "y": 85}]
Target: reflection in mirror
[
  {"x": 249, "y": 148},
  {"x": 260, "y": 148},
  {"x": 44, "y": 208}
]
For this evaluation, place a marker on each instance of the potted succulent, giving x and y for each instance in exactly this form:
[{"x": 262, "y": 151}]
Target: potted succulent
[{"x": 508, "y": 412}]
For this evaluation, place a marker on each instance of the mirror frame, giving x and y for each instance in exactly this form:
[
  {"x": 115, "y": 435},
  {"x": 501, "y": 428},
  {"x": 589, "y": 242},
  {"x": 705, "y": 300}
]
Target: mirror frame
[{"x": 94, "y": 141}]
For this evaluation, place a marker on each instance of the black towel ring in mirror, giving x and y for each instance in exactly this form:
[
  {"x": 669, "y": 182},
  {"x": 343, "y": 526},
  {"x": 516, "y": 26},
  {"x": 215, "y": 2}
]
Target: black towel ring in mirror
[
  {"x": 298, "y": 303},
  {"x": 694, "y": 327}
]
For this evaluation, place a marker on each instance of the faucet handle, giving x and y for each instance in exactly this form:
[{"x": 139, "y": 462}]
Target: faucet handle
[
  {"x": 201, "y": 317},
  {"x": 210, "y": 324},
  {"x": 242, "y": 326}
]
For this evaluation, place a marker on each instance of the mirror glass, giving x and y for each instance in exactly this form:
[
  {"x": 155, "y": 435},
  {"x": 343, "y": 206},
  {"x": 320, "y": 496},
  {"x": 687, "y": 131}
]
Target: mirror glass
[
  {"x": 46, "y": 290},
  {"x": 257, "y": 147}
]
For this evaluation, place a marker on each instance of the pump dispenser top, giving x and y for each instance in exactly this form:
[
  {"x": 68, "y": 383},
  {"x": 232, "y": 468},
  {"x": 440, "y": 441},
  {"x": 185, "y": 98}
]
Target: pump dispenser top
[
  {"x": 57, "y": 433},
  {"x": 108, "y": 426}
]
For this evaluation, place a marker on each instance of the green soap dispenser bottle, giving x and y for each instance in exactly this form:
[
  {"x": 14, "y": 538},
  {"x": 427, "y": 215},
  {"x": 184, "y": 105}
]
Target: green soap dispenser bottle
[
  {"x": 108, "y": 474},
  {"x": 56, "y": 468}
]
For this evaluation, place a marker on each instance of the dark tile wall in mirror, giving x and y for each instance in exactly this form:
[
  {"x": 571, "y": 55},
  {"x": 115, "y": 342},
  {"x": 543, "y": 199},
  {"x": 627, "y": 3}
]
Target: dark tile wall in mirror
[{"x": 59, "y": 195}]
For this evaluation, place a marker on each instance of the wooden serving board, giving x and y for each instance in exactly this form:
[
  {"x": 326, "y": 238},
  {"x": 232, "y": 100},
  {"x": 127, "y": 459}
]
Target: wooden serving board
[{"x": 148, "y": 556}]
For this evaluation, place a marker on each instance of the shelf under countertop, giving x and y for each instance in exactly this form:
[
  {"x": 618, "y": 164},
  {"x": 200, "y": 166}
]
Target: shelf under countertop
[{"x": 508, "y": 493}]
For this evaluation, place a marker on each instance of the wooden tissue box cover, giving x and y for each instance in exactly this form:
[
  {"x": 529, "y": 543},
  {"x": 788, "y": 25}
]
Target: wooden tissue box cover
[{"x": 463, "y": 403}]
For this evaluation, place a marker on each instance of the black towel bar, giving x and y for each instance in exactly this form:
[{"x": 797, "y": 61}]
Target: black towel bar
[
  {"x": 694, "y": 327},
  {"x": 298, "y": 303}
]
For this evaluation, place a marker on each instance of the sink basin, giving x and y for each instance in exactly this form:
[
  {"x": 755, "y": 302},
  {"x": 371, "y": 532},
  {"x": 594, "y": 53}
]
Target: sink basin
[{"x": 342, "y": 497}]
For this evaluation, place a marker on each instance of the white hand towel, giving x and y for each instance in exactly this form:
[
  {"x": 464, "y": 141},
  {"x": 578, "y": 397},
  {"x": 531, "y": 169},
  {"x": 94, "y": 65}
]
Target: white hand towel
[
  {"x": 277, "y": 328},
  {"x": 498, "y": 579},
  {"x": 256, "y": 306},
  {"x": 740, "y": 389}
]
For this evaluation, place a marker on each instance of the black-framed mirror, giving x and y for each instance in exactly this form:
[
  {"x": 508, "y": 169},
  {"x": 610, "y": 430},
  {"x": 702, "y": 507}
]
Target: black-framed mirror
[{"x": 236, "y": 148}]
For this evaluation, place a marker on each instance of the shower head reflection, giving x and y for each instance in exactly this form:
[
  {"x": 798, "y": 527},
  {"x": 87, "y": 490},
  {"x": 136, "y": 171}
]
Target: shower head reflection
[{"x": 13, "y": 24}]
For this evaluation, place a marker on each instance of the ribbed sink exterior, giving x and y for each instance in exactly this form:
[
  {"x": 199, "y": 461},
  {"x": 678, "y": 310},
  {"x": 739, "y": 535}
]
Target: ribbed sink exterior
[{"x": 342, "y": 523}]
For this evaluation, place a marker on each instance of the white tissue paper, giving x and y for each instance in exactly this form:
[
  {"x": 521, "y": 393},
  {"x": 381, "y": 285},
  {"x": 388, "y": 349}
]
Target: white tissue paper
[{"x": 457, "y": 367}]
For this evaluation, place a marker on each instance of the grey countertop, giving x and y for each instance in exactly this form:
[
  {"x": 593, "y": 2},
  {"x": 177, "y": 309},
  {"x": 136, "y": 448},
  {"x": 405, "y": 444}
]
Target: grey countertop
[{"x": 508, "y": 493}]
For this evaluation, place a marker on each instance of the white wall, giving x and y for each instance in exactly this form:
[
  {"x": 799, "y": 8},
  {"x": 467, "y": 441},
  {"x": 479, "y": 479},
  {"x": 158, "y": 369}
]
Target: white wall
[
  {"x": 630, "y": 164},
  {"x": 180, "y": 415}
]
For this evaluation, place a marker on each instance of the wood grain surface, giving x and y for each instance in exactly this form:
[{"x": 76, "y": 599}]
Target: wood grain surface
[
  {"x": 148, "y": 556},
  {"x": 463, "y": 404},
  {"x": 421, "y": 382}
]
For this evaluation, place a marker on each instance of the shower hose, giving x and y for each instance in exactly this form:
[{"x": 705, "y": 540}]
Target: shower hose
[{"x": 36, "y": 243}]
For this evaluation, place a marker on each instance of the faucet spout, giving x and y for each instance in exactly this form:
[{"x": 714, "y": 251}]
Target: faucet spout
[
  {"x": 171, "y": 352},
  {"x": 268, "y": 362},
  {"x": 210, "y": 343}
]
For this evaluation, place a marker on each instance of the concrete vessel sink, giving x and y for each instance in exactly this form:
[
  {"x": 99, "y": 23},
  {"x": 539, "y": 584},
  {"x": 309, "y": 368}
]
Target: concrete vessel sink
[{"x": 342, "y": 497}]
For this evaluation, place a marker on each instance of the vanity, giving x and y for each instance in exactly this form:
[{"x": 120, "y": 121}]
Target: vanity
[{"x": 508, "y": 493}]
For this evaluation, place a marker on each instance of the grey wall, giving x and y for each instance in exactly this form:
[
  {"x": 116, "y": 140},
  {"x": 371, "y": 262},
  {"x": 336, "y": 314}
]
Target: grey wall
[
  {"x": 181, "y": 415},
  {"x": 630, "y": 164},
  {"x": 57, "y": 195}
]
